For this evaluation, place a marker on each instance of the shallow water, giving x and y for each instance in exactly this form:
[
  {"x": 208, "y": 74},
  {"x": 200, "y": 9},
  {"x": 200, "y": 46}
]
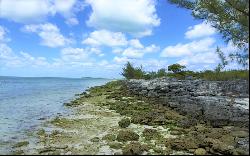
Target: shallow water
[{"x": 26, "y": 102}]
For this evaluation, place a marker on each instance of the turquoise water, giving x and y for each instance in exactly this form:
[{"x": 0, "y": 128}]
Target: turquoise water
[{"x": 24, "y": 102}]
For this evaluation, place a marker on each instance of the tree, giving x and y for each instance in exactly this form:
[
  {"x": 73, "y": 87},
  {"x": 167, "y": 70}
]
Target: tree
[
  {"x": 229, "y": 17},
  {"x": 161, "y": 73},
  {"x": 176, "y": 68},
  {"x": 223, "y": 60},
  {"x": 130, "y": 72}
]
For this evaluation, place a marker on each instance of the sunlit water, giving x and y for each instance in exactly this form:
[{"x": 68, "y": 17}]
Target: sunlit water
[{"x": 25, "y": 101}]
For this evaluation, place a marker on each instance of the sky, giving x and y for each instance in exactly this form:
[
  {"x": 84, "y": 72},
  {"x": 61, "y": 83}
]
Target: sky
[{"x": 95, "y": 38}]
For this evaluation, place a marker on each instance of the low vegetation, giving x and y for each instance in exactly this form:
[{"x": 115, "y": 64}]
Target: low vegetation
[{"x": 177, "y": 71}]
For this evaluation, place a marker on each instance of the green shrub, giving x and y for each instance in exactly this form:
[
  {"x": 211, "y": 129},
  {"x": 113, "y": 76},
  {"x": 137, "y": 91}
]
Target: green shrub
[
  {"x": 176, "y": 68},
  {"x": 130, "y": 72}
]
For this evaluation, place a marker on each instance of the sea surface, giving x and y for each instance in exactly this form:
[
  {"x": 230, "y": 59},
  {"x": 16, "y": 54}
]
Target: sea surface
[{"x": 27, "y": 102}]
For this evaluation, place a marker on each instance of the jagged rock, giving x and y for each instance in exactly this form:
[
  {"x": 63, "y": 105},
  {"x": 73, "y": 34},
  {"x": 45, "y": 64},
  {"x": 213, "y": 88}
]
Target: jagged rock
[{"x": 218, "y": 102}]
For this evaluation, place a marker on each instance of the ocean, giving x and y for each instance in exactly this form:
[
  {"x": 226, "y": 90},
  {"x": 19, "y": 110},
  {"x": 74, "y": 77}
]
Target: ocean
[{"x": 26, "y": 102}]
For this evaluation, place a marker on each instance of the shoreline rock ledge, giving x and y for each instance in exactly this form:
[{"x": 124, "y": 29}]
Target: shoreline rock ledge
[{"x": 219, "y": 103}]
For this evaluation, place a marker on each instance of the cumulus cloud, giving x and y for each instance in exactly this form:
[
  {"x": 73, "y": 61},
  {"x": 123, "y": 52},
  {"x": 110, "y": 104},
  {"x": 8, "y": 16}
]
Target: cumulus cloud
[
  {"x": 64, "y": 6},
  {"x": 137, "y": 17},
  {"x": 200, "y": 58},
  {"x": 120, "y": 60},
  {"x": 106, "y": 38},
  {"x": 209, "y": 59},
  {"x": 10, "y": 59},
  {"x": 49, "y": 33},
  {"x": 74, "y": 54},
  {"x": 200, "y": 30},
  {"x": 24, "y": 11},
  {"x": 188, "y": 49},
  {"x": 135, "y": 43},
  {"x": 132, "y": 52}
]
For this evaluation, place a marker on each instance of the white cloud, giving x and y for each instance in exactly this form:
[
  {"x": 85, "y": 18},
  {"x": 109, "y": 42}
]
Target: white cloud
[
  {"x": 49, "y": 33},
  {"x": 132, "y": 52},
  {"x": 135, "y": 43},
  {"x": 72, "y": 21},
  {"x": 74, "y": 54},
  {"x": 200, "y": 58},
  {"x": 5, "y": 52},
  {"x": 24, "y": 11},
  {"x": 137, "y": 17},
  {"x": 151, "y": 64},
  {"x": 188, "y": 48},
  {"x": 64, "y": 6},
  {"x": 120, "y": 60},
  {"x": 117, "y": 50},
  {"x": 3, "y": 32},
  {"x": 33, "y": 61},
  {"x": 9, "y": 59},
  {"x": 106, "y": 38},
  {"x": 151, "y": 49},
  {"x": 208, "y": 60},
  {"x": 200, "y": 30}
]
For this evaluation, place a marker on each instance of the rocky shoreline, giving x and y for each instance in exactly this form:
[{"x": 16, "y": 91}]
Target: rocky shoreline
[
  {"x": 220, "y": 103},
  {"x": 110, "y": 120}
]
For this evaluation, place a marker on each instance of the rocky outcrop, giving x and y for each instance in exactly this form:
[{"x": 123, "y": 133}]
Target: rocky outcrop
[{"x": 218, "y": 102}]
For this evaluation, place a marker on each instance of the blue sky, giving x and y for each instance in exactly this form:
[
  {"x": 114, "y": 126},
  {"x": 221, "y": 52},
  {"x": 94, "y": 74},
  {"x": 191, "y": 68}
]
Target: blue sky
[{"x": 77, "y": 38}]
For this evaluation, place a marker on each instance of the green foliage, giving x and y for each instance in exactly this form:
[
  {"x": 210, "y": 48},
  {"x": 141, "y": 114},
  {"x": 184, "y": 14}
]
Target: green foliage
[
  {"x": 161, "y": 73},
  {"x": 223, "y": 60},
  {"x": 229, "y": 17},
  {"x": 224, "y": 75},
  {"x": 130, "y": 72},
  {"x": 178, "y": 72},
  {"x": 213, "y": 75},
  {"x": 176, "y": 68},
  {"x": 152, "y": 75}
]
